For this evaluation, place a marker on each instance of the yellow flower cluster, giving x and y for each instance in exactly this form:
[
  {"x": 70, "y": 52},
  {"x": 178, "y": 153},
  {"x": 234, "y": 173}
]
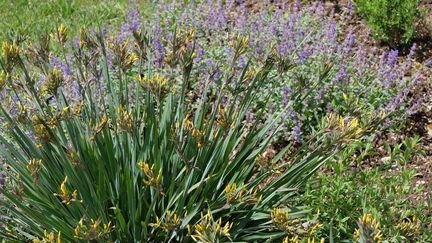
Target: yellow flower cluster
[
  {"x": 151, "y": 178},
  {"x": 83, "y": 38},
  {"x": 10, "y": 52},
  {"x": 157, "y": 84},
  {"x": 35, "y": 166},
  {"x": 410, "y": 227},
  {"x": 345, "y": 125},
  {"x": 294, "y": 228},
  {"x": 208, "y": 230},
  {"x": 65, "y": 195},
  {"x": 97, "y": 128},
  {"x": 181, "y": 51},
  {"x": 122, "y": 57},
  {"x": 73, "y": 157},
  {"x": 69, "y": 112},
  {"x": 264, "y": 162},
  {"x": 54, "y": 80},
  {"x": 189, "y": 36},
  {"x": 124, "y": 119},
  {"x": 196, "y": 134},
  {"x": 368, "y": 229},
  {"x": 281, "y": 220},
  {"x": 250, "y": 74},
  {"x": 296, "y": 239},
  {"x": 242, "y": 195},
  {"x": 170, "y": 222},
  {"x": 41, "y": 124},
  {"x": 62, "y": 34},
  {"x": 239, "y": 43},
  {"x": 22, "y": 112},
  {"x": 3, "y": 80},
  {"x": 223, "y": 118},
  {"x": 93, "y": 230},
  {"x": 41, "y": 133},
  {"x": 49, "y": 237}
]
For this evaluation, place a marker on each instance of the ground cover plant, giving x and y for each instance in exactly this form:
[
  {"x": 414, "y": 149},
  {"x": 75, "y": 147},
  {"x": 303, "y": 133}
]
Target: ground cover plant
[
  {"x": 349, "y": 192},
  {"x": 393, "y": 21},
  {"x": 159, "y": 130}
]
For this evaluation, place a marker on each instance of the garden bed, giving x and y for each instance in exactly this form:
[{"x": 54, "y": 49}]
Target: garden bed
[{"x": 236, "y": 121}]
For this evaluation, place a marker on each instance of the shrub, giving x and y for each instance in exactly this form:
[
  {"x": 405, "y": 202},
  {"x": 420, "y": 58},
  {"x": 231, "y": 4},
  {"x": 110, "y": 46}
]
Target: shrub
[{"x": 392, "y": 20}]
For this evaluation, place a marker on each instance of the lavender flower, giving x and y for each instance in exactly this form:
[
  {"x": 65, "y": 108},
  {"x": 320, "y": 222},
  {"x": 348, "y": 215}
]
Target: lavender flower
[
  {"x": 134, "y": 18},
  {"x": 2, "y": 179},
  {"x": 296, "y": 132}
]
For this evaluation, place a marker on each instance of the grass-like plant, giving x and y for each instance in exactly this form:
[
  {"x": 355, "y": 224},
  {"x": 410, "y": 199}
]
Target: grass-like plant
[{"x": 140, "y": 160}]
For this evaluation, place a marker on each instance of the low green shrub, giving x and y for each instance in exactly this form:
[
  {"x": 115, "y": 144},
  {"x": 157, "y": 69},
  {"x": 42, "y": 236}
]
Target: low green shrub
[
  {"x": 392, "y": 20},
  {"x": 349, "y": 193}
]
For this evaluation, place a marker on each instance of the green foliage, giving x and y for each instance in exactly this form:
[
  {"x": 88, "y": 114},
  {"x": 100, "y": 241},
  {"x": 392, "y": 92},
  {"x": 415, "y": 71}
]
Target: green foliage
[
  {"x": 403, "y": 152},
  {"x": 348, "y": 193},
  {"x": 392, "y": 20}
]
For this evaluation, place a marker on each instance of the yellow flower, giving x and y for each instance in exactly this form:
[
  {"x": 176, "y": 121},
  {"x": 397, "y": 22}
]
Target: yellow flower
[
  {"x": 239, "y": 43},
  {"x": 209, "y": 230},
  {"x": 49, "y": 237},
  {"x": 345, "y": 125},
  {"x": 242, "y": 195},
  {"x": 410, "y": 227},
  {"x": 170, "y": 222},
  {"x": 54, "y": 80},
  {"x": 41, "y": 133},
  {"x": 65, "y": 195},
  {"x": 124, "y": 120},
  {"x": 151, "y": 178},
  {"x": 99, "y": 126},
  {"x": 281, "y": 220},
  {"x": 157, "y": 84},
  {"x": 368, "y": 229},
  {"x": 10, "y": 52},
  {"x": 35, "y": 167},
  {"x": 83, "y": 36},
  {"x": 92, "y": 230},
  {"x": 345, "y": 96},
  {"x": 3, "y": 79},
  {"x": 61, "y": 34},
  {"x": 294, "y": 239},
  {"x": 230, "y": 191},
  {"x": 314, "y": 229}
]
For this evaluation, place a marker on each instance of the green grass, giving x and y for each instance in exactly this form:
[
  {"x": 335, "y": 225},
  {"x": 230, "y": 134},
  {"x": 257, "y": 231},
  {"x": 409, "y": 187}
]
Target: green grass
[{"x": 33, "y": 17}]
